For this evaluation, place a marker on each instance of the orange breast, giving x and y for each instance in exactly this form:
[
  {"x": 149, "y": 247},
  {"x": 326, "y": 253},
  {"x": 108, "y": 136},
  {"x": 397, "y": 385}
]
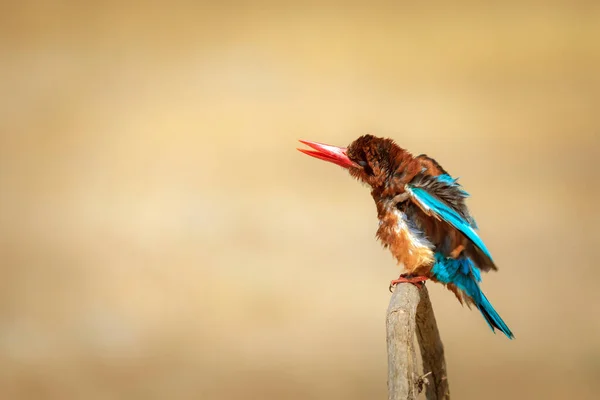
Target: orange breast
[{"x": 409, "y": 246}]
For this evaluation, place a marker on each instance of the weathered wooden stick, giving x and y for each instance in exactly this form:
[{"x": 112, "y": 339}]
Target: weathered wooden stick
[
  {"x": 432, "y": 350},
  {"x": 402, "y": 356},
  {"x": 410, "y": 312}
]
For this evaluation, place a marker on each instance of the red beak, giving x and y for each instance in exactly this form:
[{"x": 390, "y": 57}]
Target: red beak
[{"x": 336, "y": 155}]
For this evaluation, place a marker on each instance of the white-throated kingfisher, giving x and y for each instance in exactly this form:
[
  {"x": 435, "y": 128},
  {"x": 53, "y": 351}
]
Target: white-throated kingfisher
[{"x": 423, "y": 218}]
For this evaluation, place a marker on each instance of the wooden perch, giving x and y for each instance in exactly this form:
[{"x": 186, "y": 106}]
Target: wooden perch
[{"x": 410, "y": 312}]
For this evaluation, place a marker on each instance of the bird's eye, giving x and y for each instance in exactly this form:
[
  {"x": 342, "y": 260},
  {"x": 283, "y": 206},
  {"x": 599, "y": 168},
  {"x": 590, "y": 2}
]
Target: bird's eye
[{"x": 362, "y": 163}]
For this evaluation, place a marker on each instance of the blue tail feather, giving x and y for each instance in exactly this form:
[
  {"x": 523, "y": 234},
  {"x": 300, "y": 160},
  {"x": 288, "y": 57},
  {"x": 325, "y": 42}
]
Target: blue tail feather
[
  {"x": 465, "y": 275},
  {"x": 491, "y": 316}
]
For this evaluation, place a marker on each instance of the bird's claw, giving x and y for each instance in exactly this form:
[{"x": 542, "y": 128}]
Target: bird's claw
[{"x": 418, "y": 281}]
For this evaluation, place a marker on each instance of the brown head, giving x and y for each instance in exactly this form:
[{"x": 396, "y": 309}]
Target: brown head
[{"x": 376, "y": 161}]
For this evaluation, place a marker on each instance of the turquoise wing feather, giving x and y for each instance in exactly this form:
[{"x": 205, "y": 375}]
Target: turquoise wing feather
[{"x": 440, "y": 209}]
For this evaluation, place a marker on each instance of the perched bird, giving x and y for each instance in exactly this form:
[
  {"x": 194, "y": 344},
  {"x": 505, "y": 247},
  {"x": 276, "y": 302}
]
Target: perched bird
[{"x": 423, "y": 219}]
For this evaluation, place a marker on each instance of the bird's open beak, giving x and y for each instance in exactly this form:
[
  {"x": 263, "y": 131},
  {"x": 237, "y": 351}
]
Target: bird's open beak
[{"x": 336, "y": 155}]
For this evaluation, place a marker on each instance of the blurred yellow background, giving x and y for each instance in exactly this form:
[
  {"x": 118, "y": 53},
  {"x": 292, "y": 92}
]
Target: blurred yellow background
[{"x": 161, "y": 238}]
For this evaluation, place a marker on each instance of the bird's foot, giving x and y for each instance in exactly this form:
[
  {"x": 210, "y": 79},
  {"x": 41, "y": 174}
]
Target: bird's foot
[{"x": 418, "y": 281}]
